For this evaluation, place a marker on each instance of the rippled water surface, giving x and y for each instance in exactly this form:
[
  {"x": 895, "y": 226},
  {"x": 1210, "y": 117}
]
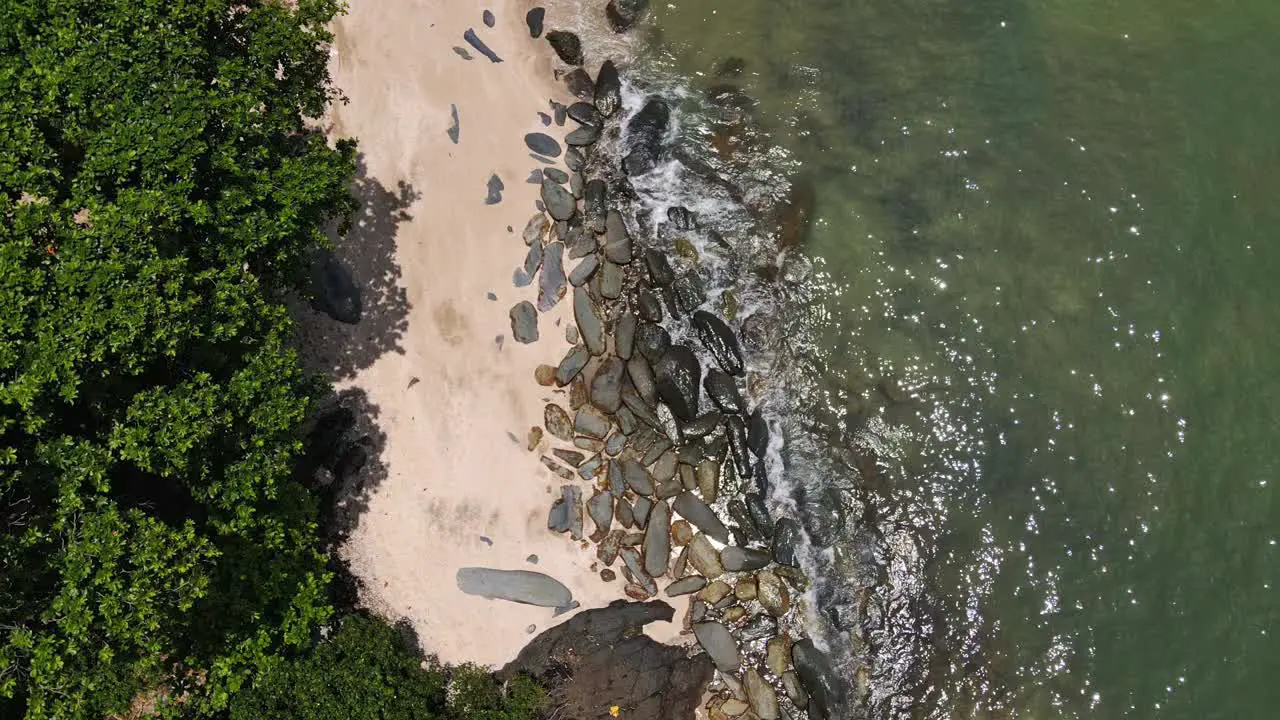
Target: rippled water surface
[{"x": 1041, "y": 336}]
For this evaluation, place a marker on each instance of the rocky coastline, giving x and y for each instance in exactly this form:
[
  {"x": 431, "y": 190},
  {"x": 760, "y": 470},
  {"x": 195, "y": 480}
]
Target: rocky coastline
[{"x": 662, "y": 454}]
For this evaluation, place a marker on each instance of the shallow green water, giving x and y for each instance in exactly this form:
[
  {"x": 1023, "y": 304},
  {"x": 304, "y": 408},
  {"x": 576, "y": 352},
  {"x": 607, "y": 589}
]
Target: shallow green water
[{"x": 1059, "y": 220}]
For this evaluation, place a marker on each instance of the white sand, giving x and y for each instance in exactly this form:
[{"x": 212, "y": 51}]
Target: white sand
[{"x": 452, "y": 473}]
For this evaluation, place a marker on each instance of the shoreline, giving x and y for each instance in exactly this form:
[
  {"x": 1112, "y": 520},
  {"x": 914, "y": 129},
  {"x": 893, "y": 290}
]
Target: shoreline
[
  {"x": 444, "y": 395},
  {"x": 641, "y": 438}
]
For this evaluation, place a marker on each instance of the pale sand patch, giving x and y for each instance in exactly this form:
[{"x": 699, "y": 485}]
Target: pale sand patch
[{"x": 452, "y": 472}]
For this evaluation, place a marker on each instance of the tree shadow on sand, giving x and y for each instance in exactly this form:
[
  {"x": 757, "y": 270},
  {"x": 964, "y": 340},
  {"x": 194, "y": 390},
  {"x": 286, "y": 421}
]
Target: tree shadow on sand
[{"x": 367, "y": 250}]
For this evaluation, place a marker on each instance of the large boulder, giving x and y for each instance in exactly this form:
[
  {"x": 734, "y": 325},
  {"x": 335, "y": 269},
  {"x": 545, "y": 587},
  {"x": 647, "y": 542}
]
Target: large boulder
[
  {"x": 334, "y": 292},
  {"x": 522, "y": 586},
  {"x": 608, "y": 89},
  {"x": 645, "y": 133},
  {"x": 567, "y": 46},
  {"x": 678, "y": 376},
  {"x": 601, "y": 658}
]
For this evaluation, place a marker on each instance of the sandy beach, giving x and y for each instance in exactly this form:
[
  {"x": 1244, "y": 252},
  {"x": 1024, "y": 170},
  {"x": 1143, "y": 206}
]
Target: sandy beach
[{"x": 450, "y": 395}]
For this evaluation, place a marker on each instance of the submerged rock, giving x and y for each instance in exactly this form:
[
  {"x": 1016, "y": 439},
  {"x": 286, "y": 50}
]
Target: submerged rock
[
  {"x": 818, "y": 678},
  {"x": 758, "y": 433},
  {"x": 737, "y": 434},
  {"x": 567, "y": 46},
  {"x": 524, "y": 322},
  {"x": 624, "y": 14},
  {"x": 522, "y": 586},
  {"x": 787, "y": 541},
  {"x": 678, "y": 375},
  {"x": 645, "y": 134}
]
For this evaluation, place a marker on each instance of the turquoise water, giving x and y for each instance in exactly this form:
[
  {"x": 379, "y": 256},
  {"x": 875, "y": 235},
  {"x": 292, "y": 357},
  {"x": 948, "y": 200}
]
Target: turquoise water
[{"x": 1044, "y": 296}]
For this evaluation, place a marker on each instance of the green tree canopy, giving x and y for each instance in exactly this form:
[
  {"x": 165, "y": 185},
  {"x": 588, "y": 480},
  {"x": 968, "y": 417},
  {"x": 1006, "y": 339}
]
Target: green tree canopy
[{"x": 160, "y": 193}]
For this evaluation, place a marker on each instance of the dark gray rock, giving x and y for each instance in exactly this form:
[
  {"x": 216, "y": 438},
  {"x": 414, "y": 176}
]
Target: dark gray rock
[
  {"x": 652, "y": 341},
  {"x": 606, "y": 386},
  {"x": 522, "y": 586},
  {"x": 761, "y": 696},
  {"x": 558, "y": 422},
  {"x": 474, "y": 41},
  {"x": 334, "y": 292},
  {"x": 595, "y": 205},
  {"x": 788, "y": 538},
  {"x": 681, "y": 219},
  {"x": 719, "y": 644},
  {"x": 759, "y": 513},
  {"x": 535, "y": 177},
  {"x": 632, "y": 560},
  {"x": 819, "y": 678},
  {"x": 659, "y": 268},
  {"x": 567, "y": 46},
  {"x": 642, "y": 379},
  {"x": 611, "y": 278},
  {"x": 737, "y": 559},
  {"x": 703, "y": 425},
  {"x": 737, "y": 434},
  {"x": 624, "y": 336},
  {"x": 823, "y": 515},
  {"x": 585, "y": 113},
  {"x": 561, "y": 113},
  {"x": 581, "y": 85},
  {"x": 462, "y": 53},
  {"x": 758, "y": 433},
  {"x": 524, "y": 322},
  {"x": 575, "y": 185},
  {"x": 560, "y": 203},
  {"x": 551, "y": 284},
  {"x": 571, "y": 365},
  {"x": 587, "y": 316},
  {"x": 533, "y": 259},
  {"x": 689, "y": 292},
  {"x": 657, "y": 540},
  {"x": 641, "y": 510},
  {"x": 591, "y": 422},
  {"x": 641, "y": 410},
  {"x": 624, "y": 14},
  {"x": 556, "y": 175},
  {"x": 601, "y": 658},
  {"x": 454, "y": 127},
  {"x": 608, "y": 89},
  {"x": 678, "y": 377},
  {"x": 719, "y": 341},
  {"x": 645, "y": 134},
  {"x": 584, "y": 135},
  {"x": 637, "y": 478},
  {"x": 617, "y": 240},
  {"x": 583, "y": 272},
  {"x": 489, "y": 20},
  {"x": 649, "y": 307},
  {"x": 574, "y": 159},
  {"x": 684, "y": 586},
  {"x": 494, "y": 190},
  {"x": 723, "y": 391},
  {"x": 693, "y": 509},
  {"x": 579, "y": 242},
  {"x": 534, "y": 19},
  {"x": 600, "y": 508}
]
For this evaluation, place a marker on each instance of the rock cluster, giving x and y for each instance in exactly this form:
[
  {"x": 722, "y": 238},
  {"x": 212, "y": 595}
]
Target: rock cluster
[{"x": 668, "y": 458}]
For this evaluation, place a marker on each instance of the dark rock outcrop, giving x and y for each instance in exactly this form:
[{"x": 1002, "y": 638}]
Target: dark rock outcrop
[
  {"x": 600, "y": 658},
  {"x": 567, "y": 46}
]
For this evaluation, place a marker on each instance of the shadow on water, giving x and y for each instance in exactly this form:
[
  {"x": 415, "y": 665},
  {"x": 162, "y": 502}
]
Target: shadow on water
[{"x": 367, "y": 250}]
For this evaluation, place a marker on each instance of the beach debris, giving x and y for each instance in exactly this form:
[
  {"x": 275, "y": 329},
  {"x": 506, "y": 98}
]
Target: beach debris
[
  {"x": 521, "y": 586},
  {"x": 491, "y": 296},
  {"x": 412, "y": 381},
  {"x": 454, "y": 128},
  {"x": 486, "y": 540},
  {"x": 624, "y": 14},
  {"x": 534, "y": 437},
  {"x": 608, "y": 90},
  {"x": 559, "y": 202},
  {"x": 567, "y": 46},
  {"x": 497, "y": 340},
  {"x": 534, "y": 19},
  {"x": 532, "y": 559},
  {"x": 495, "y": 188},
  {"x": 462, "y": 52},
  {"x": 524, "y": 322},
  {"x": 542, "y": 144},
  {"x": 474, "y": 41},
  {"x": 488, "y": 18},
  {"x": 551, "y": 286}
]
